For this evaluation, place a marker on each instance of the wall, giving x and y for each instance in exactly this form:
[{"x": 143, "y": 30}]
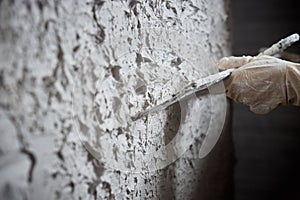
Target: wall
[{"x": 73, "y": 73}]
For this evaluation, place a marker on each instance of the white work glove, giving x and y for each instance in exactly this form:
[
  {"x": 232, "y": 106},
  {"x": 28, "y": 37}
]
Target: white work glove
[{"x": 262, "y": 82}]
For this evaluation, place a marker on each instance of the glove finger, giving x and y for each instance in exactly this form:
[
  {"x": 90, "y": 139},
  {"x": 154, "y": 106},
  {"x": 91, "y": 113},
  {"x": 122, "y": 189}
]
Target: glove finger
[{"x": 233, "y": 62}]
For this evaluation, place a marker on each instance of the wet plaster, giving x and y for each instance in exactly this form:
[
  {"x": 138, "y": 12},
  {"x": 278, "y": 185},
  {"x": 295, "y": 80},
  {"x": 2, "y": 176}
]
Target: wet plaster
[{"x": 73, "y": 73}]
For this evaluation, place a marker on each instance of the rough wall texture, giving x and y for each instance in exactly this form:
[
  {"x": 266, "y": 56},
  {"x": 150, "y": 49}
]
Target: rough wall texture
[{"x": 75, "y": 71}]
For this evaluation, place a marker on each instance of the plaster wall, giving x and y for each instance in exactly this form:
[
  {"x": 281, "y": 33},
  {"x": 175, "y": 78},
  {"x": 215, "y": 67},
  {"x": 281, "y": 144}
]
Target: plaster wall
[{"x": 72, "y": 75}]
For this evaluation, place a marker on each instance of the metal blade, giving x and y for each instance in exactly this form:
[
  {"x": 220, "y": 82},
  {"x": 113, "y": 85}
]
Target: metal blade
[{"x": 199, "y": 85}]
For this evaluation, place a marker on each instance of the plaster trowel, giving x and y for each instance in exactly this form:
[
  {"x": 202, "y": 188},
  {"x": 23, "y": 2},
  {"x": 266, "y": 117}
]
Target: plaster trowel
[{"x": 204, "y": 83}]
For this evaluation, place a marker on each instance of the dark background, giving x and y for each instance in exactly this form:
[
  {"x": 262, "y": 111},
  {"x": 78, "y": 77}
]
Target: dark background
[{"x": 267, "y": 147}]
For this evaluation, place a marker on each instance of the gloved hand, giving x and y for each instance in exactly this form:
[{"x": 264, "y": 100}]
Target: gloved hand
[{"x": 262, "y": 82}]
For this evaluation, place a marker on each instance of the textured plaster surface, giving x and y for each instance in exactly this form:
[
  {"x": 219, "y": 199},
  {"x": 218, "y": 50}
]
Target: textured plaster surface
[{"x": 72, "y": 70}]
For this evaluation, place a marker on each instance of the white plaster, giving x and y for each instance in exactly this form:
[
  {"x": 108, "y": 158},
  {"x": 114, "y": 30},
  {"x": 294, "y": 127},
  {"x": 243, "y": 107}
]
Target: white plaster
[{"x": 73, "y": 67}]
